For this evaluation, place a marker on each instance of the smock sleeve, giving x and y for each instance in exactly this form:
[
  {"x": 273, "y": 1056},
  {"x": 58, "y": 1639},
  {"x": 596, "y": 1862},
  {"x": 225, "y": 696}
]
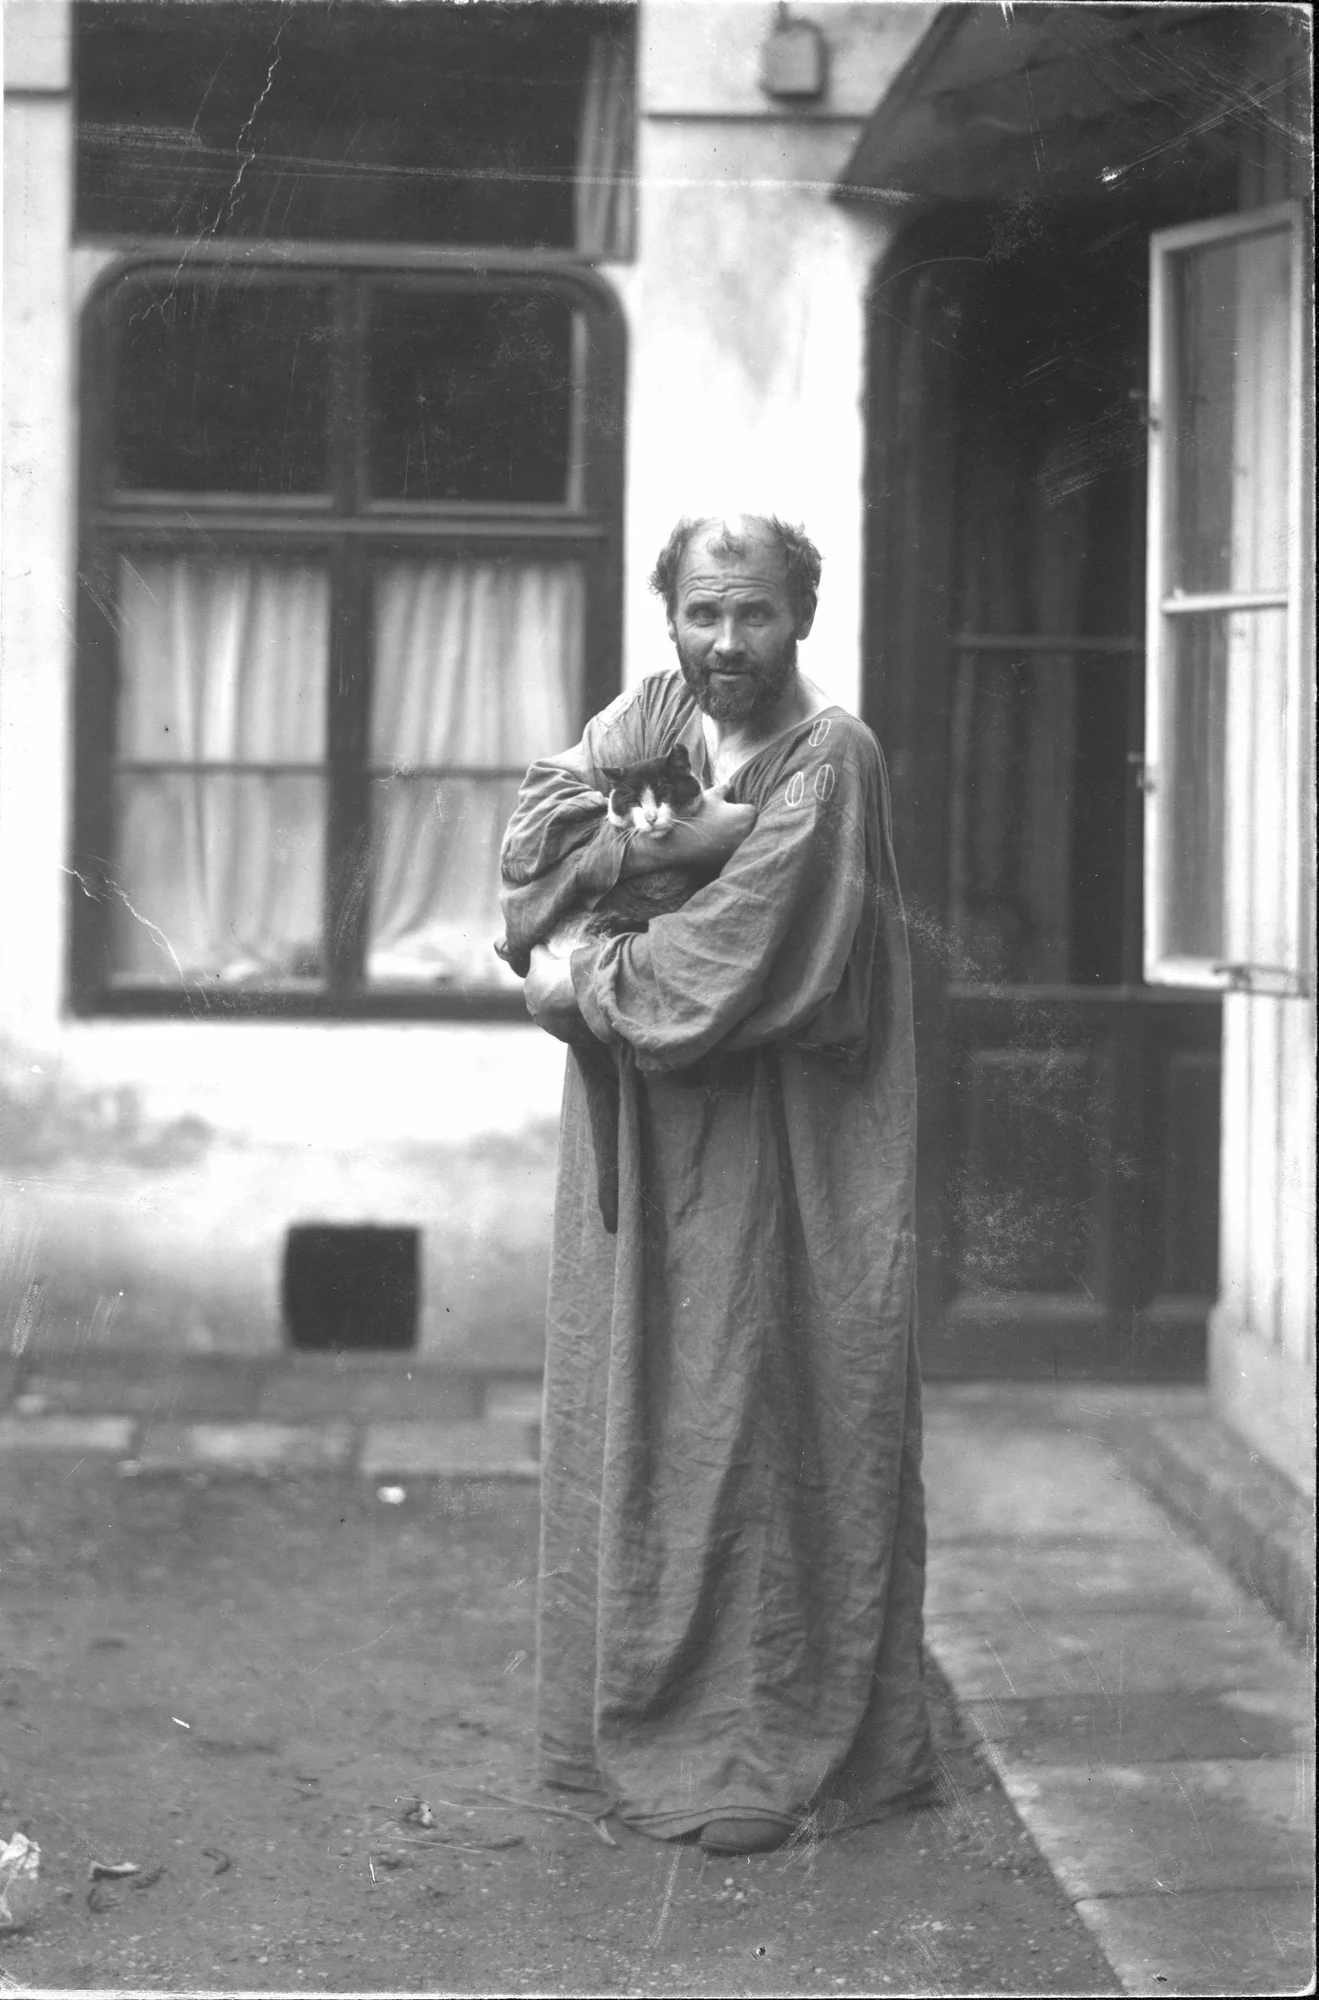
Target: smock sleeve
[
  {"x": 783, "y": 944},
  {"x": 559, "y": 851}
]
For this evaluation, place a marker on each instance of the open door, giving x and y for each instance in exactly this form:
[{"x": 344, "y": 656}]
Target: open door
[{"x": 1069, "y": 1111}]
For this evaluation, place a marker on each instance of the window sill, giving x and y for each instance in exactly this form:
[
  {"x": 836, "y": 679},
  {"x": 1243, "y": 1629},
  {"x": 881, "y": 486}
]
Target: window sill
[{"x": 201, "y": 1004}]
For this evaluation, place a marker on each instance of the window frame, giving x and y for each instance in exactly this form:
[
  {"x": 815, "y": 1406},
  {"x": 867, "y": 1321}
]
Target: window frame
[
  {"x": 1165, "y": 604},
  {"x": 347, "y": 529}
]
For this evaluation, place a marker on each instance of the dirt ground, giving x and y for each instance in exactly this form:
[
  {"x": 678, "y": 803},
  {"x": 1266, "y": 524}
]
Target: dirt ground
[{"x": 239, "y": 1686}]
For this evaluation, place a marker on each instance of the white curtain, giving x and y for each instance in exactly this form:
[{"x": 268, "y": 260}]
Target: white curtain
[
  {"x": 222, "y": 663},
  {"x": 478, "y": 666},
  {"x": 605, "y": 143}
]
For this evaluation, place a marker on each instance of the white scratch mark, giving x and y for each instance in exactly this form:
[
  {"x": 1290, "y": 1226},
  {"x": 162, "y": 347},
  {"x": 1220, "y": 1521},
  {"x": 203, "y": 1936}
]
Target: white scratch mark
[
  {"x": 245, "y": 163},
  {"x": 668, "y": 1898}
]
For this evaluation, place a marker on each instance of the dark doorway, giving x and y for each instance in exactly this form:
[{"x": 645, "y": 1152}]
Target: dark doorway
[
  {"x": 351, "y": 1289},
  {"x": 1067, "y": 1197}
]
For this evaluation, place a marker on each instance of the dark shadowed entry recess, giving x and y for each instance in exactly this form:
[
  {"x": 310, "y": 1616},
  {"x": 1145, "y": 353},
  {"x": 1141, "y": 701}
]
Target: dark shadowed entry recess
[
  {"x": 350, "y": 1289},
  {"x": 1069, "y": 1114},
  {"x": 1034, "y": 160}
]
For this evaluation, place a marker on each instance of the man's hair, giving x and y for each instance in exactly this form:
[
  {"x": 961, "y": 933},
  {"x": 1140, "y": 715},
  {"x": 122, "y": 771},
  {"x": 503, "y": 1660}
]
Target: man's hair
[{"x": 801, "y": 558}]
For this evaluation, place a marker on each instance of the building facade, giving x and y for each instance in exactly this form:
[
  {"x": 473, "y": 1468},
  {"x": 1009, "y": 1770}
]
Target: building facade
[{"x": 358, "y": 359}]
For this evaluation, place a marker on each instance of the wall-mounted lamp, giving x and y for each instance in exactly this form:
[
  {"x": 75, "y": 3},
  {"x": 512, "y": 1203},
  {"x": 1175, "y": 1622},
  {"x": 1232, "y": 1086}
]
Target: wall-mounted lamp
[{"x": 792, "y": 62}]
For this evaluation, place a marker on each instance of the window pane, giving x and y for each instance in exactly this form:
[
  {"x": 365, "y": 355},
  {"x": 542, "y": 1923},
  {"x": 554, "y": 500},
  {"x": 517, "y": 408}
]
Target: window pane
[
  {"x": 219, "y": 878},
  {"x": 223, "y": 388},
  {"x": 1231, "y": 313},
  {"x": 475, "y": 662},
  {"x": 351, "y": 121},
  {"x": 222, "y": 661},
  {"x": 435, "y": 896},
  {"x": 470, "y": 396}
]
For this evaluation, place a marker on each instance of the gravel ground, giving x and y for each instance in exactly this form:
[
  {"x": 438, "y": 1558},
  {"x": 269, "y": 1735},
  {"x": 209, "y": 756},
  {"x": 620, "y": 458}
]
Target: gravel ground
[{"x": 240, "y": 1686}]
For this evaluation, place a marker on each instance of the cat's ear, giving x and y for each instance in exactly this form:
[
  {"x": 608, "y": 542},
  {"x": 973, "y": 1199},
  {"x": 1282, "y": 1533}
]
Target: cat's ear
[
  {"x": 678, "y": 758},
  {"x": 614, "y": 775}
]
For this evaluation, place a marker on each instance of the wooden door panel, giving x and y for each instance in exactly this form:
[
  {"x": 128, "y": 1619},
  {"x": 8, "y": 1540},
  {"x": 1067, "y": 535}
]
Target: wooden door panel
[
  {"x": 1026, "y": 1179},
  {"x": 1077, "y": 1172},
  {"x": 1189, "y": 1264}
]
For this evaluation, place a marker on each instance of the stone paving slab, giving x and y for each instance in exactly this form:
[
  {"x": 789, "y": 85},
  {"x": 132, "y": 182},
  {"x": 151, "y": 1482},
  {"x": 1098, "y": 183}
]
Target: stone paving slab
[
  {"x": 1081, "y": 1577},
  {"x": 1141, "y": 1709},
  {"x": 1151, "y": 1726},
  {"x": 310, "y": 1393},
  {"x": 1211, "y": 1942},
  {"x": 61, "y": 1435},
  {"x": 196, "y": 1389},
  {"x": 1044, "y": 1486},
  {"x": 1248, "y": 1514},
  {"x": 1109, "y": 1654},
  {"x": 514, "y": 1402},
  {"x": 1142, "y": 1829},
  {"x": 487, "y": 1450},
  {"x": 251, "y": 1447}
]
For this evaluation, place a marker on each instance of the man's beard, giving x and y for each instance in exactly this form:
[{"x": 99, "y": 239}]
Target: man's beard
[{"x": 750, "y": 699}]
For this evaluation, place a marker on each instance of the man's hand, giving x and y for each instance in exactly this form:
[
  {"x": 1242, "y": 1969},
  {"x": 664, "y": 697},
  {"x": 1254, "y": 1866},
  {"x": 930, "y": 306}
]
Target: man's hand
[
  {"x": 551, "y": 1001},
  {"x": 704, "y": 841}
]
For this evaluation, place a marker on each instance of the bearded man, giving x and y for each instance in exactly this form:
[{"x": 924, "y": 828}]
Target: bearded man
[{"x": 733, "y": 1539}]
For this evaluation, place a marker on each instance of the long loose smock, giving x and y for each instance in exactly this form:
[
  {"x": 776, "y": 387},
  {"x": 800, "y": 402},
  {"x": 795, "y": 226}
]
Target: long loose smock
[{"x": 733, "y": 1534}]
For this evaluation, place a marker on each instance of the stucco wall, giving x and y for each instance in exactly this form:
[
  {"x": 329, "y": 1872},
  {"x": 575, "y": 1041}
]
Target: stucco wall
[{"x": 151, "y": 1171}]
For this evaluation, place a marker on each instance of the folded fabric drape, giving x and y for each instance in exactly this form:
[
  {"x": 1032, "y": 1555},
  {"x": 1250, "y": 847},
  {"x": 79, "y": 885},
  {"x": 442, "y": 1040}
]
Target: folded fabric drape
[
  {"x": 478, "y": 666},
  {"x": 219, "y": 869}
]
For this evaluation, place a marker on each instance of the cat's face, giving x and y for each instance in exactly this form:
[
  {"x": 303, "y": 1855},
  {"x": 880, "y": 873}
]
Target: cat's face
[{"x": 648, "y": 798}]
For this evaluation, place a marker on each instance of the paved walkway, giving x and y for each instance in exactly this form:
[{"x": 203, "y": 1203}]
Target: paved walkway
[{"x": 1149, "y": 1720}]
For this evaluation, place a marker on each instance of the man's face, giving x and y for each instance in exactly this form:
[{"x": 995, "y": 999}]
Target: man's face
[{"x": 734, "y": 628}]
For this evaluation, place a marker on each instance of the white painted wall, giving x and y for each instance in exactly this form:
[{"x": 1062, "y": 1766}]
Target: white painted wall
[
  {"x": 1261, "y": 1338},
  {"x": 153, "y": 1168},
  {"x": 747, "y": 300}
]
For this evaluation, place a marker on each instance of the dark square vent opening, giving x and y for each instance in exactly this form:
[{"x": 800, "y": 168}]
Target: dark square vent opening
[{"x": 351, "y": 1289}]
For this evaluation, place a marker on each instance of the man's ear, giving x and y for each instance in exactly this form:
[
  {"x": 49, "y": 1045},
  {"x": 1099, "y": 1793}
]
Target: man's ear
[
  {"x": 805, "y": 620},
  {"x": 673, "y": 628}
]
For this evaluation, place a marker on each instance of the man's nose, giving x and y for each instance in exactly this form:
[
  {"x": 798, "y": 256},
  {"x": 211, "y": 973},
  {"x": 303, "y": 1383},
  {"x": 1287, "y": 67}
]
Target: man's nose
[{"x": 727, "y": 639}]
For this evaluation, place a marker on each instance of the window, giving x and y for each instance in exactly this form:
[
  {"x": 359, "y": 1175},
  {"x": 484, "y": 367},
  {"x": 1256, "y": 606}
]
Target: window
[
  {"x": 357, "y": 121},
  {"x": 350, "y": 562},
  {"x": 1227, "y": 686}
]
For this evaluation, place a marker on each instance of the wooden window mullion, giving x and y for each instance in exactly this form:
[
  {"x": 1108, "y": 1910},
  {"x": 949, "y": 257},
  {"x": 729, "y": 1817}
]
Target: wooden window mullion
[{"x": 347, "y": 845}]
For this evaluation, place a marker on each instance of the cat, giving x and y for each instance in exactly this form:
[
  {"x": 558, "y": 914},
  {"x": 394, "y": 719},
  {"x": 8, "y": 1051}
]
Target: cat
[
  {"x": 650, "y": 798},
  {"x": 643, "y": 798}
]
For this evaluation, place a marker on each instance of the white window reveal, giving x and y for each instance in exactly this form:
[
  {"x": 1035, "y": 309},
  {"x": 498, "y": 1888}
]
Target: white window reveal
[{"x": 1225, "y": 827}]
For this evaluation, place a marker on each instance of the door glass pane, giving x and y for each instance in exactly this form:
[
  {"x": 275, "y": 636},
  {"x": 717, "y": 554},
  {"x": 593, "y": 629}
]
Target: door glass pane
[
  {"x": 223, "y": 388},
  {"x": 471, "y": 396},
  {"x": 1231, "y": 370},
  {"x": 477, "y": 670},
  {"x": 1036, "y": 835},
  {"x": 1222, "y": 886},
  {"x": 1193, "y": 783}
]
